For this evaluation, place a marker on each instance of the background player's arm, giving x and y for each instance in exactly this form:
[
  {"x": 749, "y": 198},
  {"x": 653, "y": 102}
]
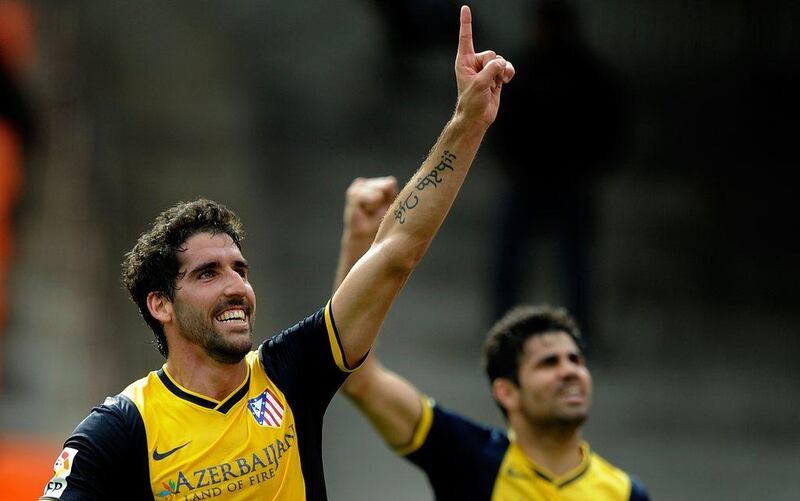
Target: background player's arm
[
  {"x": 390, "y": 402},
  {"x": 362, "y": 301}
]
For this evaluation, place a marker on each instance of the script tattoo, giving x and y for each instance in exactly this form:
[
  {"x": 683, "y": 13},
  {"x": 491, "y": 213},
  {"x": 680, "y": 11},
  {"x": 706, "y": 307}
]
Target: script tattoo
[{"x": 433, "y": 178}]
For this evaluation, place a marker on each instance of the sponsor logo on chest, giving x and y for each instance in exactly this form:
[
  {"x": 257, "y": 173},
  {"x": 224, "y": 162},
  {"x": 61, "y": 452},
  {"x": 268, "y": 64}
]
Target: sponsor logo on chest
[{"x": 252, "y": 470}]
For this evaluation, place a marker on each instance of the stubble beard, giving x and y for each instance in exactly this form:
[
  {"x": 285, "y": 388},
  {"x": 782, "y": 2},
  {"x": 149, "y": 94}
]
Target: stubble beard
[
  {"x": 194, "y": 327},
  {"x": 559, "y": 421},
  {"x": 571, "y": 422}
]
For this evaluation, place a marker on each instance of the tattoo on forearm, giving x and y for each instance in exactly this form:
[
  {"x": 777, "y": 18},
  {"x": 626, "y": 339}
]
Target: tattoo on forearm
[{"x": 433, "y": 178}]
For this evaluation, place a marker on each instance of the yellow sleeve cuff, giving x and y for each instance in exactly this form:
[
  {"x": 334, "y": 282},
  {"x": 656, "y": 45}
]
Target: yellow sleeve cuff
[
  {"x": 422, "y": 429},
  {"x": 336, "y": 344}
]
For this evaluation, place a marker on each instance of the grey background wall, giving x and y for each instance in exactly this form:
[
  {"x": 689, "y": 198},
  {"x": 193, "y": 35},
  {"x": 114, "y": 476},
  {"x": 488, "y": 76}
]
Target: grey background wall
[{"x": 273, "y": 107}]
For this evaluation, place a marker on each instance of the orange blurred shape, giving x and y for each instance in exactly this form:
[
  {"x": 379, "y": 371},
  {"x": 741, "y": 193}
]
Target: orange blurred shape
[
  {"x": 16, "y": 35},
  {"x": 26, "y": 465},
  {"x": 10, "y": 181}
]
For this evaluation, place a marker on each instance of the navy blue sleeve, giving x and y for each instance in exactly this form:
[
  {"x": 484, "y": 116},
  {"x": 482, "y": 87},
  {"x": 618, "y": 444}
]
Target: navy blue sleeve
[
  {"x": 104, "y": 458},
  {"x": 306, "y": 362},
  {"x": 460, "y": 457},
  {"x": 300, "y": 361},
  {"x": 638, "y": 491}
]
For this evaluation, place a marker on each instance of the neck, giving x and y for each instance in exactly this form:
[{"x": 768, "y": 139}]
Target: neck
[
  {"x": 557, "y": 448},
  {"x": 200, "y": 374}
]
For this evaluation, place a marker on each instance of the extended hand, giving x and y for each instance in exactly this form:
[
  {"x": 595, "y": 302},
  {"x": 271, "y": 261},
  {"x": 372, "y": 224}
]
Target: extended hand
[
  {"x": 480, "y": 77},
  {"x": 367, "y": 200}
]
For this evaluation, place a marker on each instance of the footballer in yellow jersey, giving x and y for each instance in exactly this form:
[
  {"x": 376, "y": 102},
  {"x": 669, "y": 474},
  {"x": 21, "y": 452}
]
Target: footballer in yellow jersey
[
  {"x": 219, "y": 421},
  {"x": 539, "y": 379}
]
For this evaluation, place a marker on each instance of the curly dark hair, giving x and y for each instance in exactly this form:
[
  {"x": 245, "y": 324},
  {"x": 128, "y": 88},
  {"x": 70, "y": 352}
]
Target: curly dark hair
[
  {"x": 505, "y": 342},
  {"x": 152, "y": 265}
]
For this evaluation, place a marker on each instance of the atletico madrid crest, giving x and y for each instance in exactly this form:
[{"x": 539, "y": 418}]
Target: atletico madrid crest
[{"x": 266, "y": 409}]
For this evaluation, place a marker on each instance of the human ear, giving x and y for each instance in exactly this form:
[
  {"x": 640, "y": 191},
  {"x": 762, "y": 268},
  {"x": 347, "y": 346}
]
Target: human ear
[
  {"x": 160, "y": 307},
  {"x": 506, "y": 393}
]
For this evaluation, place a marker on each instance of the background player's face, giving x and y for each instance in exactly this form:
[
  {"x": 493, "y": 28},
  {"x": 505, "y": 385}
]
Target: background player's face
[
  {"x": 214, "y": 302},
  {"x": 555, "y": 385}
]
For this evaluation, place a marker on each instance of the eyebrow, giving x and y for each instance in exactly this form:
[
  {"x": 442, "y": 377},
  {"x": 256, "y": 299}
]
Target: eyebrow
[
  {"x": 540, "y": 359},
  {"x": 569, "y": 353},
  {"x": 208, "y": 265}
]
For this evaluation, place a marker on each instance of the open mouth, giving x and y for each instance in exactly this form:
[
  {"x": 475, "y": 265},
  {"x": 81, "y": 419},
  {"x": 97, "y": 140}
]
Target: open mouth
[
  {"x": 231, "y": 316},
  {"x": 573, "y": 393}
]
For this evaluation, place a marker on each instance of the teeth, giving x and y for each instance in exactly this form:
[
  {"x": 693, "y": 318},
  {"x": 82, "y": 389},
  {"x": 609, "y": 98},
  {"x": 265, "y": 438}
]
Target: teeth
[
  {"x": 573, "y": 391},
  {"x": 231, "y": 315}
]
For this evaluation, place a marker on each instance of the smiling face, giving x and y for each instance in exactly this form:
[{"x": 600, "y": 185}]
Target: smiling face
[
  {"x": 214, "y": 305},
  {"x": 555, "y": 387}
]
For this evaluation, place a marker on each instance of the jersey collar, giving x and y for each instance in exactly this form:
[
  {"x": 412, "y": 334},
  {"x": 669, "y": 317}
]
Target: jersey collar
[
  {"x": 545, "y": 474},
  {"x": 209, "y": 403}
]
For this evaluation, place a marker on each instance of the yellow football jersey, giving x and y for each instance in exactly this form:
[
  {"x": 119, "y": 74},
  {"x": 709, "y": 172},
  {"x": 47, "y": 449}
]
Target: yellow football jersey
[
  {"x": 157, "y": 440},
  {"x": 464, "y": 460}
]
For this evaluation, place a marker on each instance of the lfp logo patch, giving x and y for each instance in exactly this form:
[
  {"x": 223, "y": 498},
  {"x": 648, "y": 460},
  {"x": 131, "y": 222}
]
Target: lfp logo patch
[
  {"x": 266, "y": 409},
  {"x": 61, "y": 470}
]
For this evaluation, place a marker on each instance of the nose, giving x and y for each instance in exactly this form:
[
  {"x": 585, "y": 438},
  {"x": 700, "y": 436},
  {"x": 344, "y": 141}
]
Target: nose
[
  {"x": 568, "y": 369},
  {"x": 235, "y": 284}
]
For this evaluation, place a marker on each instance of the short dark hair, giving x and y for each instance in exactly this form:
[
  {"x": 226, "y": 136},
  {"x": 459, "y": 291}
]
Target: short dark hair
[
  {"x": 152, "y": 265},
  {"x": 505, "y": 342}
]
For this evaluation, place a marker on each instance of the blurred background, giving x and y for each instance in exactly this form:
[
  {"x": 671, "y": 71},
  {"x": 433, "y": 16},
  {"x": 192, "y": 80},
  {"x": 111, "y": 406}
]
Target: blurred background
[{"x": 640, "y": 173}]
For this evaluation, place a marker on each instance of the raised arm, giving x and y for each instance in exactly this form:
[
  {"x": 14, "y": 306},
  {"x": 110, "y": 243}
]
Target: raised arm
[
  {"x": 366, "y": 202},
  {"x": 362, "y": 301},
  {"x": 390, "y": 402}
]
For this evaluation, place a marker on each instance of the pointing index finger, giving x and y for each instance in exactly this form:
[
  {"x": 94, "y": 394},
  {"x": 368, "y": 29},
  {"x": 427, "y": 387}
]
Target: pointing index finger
[{"x": 465, "y": 32}]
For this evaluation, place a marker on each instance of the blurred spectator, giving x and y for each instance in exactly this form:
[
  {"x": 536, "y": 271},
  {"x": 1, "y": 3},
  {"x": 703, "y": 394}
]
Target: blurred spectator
[
  {"x": 561, "y": 128},
  {"x": 16, "y": 128}
]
